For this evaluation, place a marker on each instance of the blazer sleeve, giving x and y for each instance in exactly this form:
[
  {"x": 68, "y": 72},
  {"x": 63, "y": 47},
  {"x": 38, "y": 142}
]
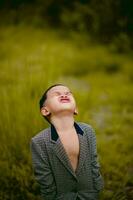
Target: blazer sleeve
[
  {"x": 96, "y": 175},
  {"x": 42, "y": 171}
]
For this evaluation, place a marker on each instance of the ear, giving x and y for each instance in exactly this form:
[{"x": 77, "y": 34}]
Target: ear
[
  {"x": 45, "y": 111},
  {"x": 76, "y": 111}
]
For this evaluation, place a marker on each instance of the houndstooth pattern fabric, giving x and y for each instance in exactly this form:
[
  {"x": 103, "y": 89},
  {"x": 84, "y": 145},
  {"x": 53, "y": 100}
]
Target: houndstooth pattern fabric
[{"x": 54, "y": 172}]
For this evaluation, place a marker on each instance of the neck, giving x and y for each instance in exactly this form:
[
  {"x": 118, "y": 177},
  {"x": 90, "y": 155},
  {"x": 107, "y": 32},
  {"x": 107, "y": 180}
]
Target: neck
[{"x": 63, "y": 123}]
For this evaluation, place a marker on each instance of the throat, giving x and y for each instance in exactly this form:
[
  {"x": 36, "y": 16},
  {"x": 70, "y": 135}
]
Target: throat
[{"x": 61, "y": 123}]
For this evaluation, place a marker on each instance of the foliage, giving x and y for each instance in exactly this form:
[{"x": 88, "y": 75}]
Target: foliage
[
  {"x": 32, "y": 59},
  {"x": 104, "y": 20}
]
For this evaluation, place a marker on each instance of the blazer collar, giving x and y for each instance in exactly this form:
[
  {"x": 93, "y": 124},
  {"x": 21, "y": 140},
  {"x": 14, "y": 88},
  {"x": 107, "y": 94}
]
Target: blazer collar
[{"x": 55, "y": 136}]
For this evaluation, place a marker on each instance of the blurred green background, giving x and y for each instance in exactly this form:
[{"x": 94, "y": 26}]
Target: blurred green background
[{"x": 87, "y": 45}]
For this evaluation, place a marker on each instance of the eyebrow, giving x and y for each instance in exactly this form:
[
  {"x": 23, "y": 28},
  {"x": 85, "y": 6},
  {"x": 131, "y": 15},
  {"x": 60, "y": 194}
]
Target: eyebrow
[{"x": 57, "y": 91}]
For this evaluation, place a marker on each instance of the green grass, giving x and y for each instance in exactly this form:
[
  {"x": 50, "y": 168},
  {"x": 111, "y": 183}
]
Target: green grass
[{"x": 31, "y": 60}]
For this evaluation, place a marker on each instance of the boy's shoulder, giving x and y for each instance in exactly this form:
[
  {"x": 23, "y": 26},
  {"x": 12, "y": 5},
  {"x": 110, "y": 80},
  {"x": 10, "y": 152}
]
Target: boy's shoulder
[
  {"x": 41, "y": 135},
  {"x": 85, "y": 126}
]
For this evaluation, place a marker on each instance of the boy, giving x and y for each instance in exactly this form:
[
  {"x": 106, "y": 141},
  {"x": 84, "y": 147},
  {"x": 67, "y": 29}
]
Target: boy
[{"x": 64, "y": 155}]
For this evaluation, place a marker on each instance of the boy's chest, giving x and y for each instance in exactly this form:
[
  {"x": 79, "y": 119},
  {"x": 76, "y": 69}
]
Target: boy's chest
[{"x": 70, "y": 143}]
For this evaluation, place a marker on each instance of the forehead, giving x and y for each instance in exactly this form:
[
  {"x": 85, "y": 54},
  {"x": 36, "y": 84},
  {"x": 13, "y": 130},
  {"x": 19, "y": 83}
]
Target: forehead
[{"x": 59, "y": 88}]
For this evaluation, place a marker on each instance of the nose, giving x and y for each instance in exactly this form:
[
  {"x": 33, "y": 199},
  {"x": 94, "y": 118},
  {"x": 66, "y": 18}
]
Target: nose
[{"x": 63, "y": 95}]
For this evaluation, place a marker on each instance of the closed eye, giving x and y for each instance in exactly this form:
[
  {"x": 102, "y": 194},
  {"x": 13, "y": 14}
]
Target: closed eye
[
  {"x": 57, "y": 93},
  {"x": 68, "y": 93}
]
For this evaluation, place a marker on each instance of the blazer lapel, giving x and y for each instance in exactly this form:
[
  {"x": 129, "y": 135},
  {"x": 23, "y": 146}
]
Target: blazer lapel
[
  {"x": 83, "y": 151},
  {"x": 62, "y": 156}
]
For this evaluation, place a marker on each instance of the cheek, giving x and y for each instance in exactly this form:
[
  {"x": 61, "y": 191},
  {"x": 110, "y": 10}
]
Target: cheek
[
  {"x": 52, "y": 102},
  {"x": 73, "y": 100}
]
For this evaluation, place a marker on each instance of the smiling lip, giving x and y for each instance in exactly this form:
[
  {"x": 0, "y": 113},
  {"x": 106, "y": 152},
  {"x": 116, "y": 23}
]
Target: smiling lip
[{"x": 64, "y": 100}]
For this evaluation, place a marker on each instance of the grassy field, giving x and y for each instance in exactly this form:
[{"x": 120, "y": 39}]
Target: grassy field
[{"x": 31, "y": 59}]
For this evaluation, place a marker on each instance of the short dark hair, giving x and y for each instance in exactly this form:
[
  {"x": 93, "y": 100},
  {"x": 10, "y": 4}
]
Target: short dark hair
[{"x": 44, "y": 97}]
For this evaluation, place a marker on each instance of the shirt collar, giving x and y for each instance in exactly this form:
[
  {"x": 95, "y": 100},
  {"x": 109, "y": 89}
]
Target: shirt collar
[{"x": 55, "y": 136}]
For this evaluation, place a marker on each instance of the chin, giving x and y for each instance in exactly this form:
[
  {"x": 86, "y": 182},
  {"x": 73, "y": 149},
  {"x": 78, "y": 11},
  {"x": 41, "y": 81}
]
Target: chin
[{"x": 67, "y": 110}]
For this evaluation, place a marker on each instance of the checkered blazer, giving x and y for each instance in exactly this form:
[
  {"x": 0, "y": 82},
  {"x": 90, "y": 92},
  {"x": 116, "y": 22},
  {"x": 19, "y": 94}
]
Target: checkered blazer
[{"x": 54, "y": 172}]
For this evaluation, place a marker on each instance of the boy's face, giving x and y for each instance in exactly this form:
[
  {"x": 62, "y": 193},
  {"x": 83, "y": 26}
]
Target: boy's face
[{"x": 59, "y": 99}]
